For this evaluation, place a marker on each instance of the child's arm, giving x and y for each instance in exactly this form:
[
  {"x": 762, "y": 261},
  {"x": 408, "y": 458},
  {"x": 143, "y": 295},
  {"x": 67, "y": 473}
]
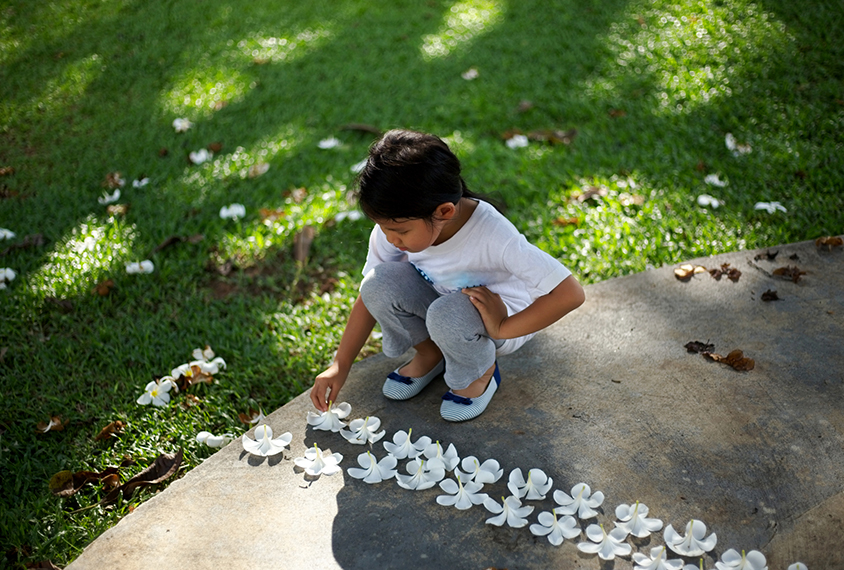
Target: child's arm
[
  {"x": 546, "y": 310},
  {"x": 327, "y": 385}
]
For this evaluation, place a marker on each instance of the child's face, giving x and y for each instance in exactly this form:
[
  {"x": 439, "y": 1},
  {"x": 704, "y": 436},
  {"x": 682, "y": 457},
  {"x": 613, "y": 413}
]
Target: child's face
[{"x": 413, "y": 235}]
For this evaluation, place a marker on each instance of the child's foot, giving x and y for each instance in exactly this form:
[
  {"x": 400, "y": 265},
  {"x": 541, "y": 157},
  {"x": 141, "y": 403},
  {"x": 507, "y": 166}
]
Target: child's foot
[
  {"x": 479, "y": 386},
  {"x": 457, "y": 408},
  {"x": 401, "y": 387}
]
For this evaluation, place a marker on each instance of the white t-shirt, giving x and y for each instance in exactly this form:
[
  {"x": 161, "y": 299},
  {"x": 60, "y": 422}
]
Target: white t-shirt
[{"x": 488, "y": 250}]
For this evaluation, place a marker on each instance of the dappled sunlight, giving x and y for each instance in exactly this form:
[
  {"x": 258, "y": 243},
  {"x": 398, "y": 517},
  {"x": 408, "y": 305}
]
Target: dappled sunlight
[
  {"x": 197, "y": 93},
  {"x": 694, "y": 52},
  {"x": 70, "y": 85},
  {"x": 260, "y": 49},
  {"x": 88, "y": 252},
  {"x": 462, "y": 23}
]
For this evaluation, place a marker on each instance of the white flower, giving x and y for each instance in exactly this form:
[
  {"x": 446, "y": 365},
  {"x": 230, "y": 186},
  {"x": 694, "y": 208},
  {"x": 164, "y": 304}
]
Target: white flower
[
  {"x": 359, "y": 166},
  {"x": 632, "y": 519},
  {"x": 200, "y": 156},
  {"x": 731, "y": 560},
  {"x": 437, "y": 458},
  {"x": 181, "y": 125},
  {"x": 470, "y": 74},
  {"x": 734, "y": 147},
  {"x": 517, "y": 141},
  {"x": 581, "y": 501},
  {"x": 205, "y": 354},
  {"x": 694, "y": 543},
  {"x": 534, "y": 489},
  {"x": 107, "y": 198},
  {"x": 330, "y": 420},
  {"x": 156, "y": 393},
  {"x": 607, "y": 546},
  {"x": 351, "y": 215},
  {"x": 656, "y": 561},
  {"x": 713, "y": 180},
  {"x": 402, "y": 448},
  {"x": 420, "y": 476},
  {"x": 315, "y": 463},
  {"x": 374, "y": 471},
  {"x": 6, "y": 234},
  {"x": 556, "y": 529},
  {"x": 771, "y": 207},
  {"x": 209, "y": 367},
  {"x": 140, "y": 182},
  {"x": 797, "y": 566},
  {"x": 487, "y": 472},
  {"x": 328, "y": 143},
  {"x": 693, "y": 567},
  {"x": 363, "y": 431},
  {"x": 705, "y": 200},
  {"x": 212, "y": 440},
  {"x": 233, "y": 211},
  {"x": 143, "y": 267},
  {"x": 460, "y": 495},
  {"x": 510, "y": 511},
  {"x": 6, "y": 274}
]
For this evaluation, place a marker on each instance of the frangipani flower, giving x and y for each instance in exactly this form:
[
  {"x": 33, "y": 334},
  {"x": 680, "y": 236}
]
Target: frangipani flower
[
  {"x": 359, "y": 166},
  {"x": 581, "y": 502},
  {"x": 797, "y": 566},
  {"x": 264, "y": 444},
  {"x": 713, "y": 180},
  {"x": 316, "y": 463},
  {"x": 212, "y": 440},
  {"x": 6, "y": 234},
  {"x": 694, "y": 543},
  {"x": 181, "y": 125},
  {"x": 606, "y": 546},
  {"x": 143, "y": 267},
  {"x": 233, "y": 211},
  {"x": 402, "y": 448},
  {"x": 156, "y": 393},
  {"x": 693, "y": 567},
  {"x": 351, "y": 215},
  {"x": 328, "y": 143},
  {"x": 487, "y": 472},
  {"x": 447, "y": 460},
  {"x": 510, "y": 511},
  {"x": 363, "y": 431},
  {"x": 771, "y": 207},
  {"x": 736, "y": 148},
  {"x": 534, "y": 489},
  {"x": 555, "y": 529},
  {"x": 207, "y": 367},
  {"x": 200, "y": 156},
  {"x": 140, "y": 182},
  {"x": 6, "y": 275},
  {"x": 374, "y": 471},
  {"x": 205, "y": 354},
  {"x": 632, "y": 520},
  {"x": 107, "y": 198},
  {"x": 517, "y": 141},
  {"x": 656, "y": 561},
  {"x": 460, "y": 495},
  {"x": 330, "y": 420},
  {"x": 705, "y": 200},
  {"x": 420, "y": 476},
  {"x": 732, "y": 560},
  {"x": 470, "y": 74}
]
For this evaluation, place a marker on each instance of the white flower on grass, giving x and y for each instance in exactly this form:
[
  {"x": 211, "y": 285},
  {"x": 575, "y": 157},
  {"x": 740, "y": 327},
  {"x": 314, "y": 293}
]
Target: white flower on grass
[
  {"x": 770, "y": 207},
  {"x": 374, "y": 471},
  {"x": 797, "y": 566},
  {"x": 555, "y": 529},
  {"x": 107, "y": 198},
  {"x": 470, "y": 74},
  {"x": 207, "y": 367},
  {"x": 472, "y": 470},
  {"x": 420, "y": 476},
  {"x": 462, "y": 496},
  {"x": 705, "y": 200},
  {"x": 581, "y": 502},
  {"x": 232, "y": 211},
  {"x": 517, "y": 141},
  {"x": 363, "y": 431},
  {"x": 658, "y": 560},
  {"x": 200, "y": 156},
  {"x": 7, "y": 275},
  {"x": 6, "y": 234},
  {"x": 437, "y": 458},
  {"x": 732, "y": 560},
  {"x": 212, "y": 440},
  {"x": 142, "y": 267},
  {"x": 351, "y": 215},
  {"x": 510, "y": 511},
  {"x": 332, "y": 142},
  {"x": 359, "y": 166},
  {"x": 140, "y": 182},
  {"x": 633, "y": 520},
  {"x": 181, "y": 125},
  {"x": 402, "y": 448},
  {"x": 316, "y": 463},
  {"x": 714, "y": 180},
  {"x": 205, "y": 354},
  {"x": 156, "y": 392},
  {"x": 330, "y": 420},
  {"x": 534, "y": 489},
  {"x": 736, "y": 148},
  {"x": 606, "y": 546},
  {"x": 694, "y": 543}
]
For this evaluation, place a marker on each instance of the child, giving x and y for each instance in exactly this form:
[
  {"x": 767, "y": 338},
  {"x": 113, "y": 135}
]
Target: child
[{"x": 447, "y": 274}]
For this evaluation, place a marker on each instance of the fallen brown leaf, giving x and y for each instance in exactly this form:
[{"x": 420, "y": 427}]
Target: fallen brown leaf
[
  {"x": 272, "y": 215},
  {"x": 113, "y": 180},
  {"x": 735, "y": 359},
  {"x": 249, "y": 417},
  {"x": 592, "y": 192},
  {"x": 117, "y": 209},
  {"x": 769, "y": 255},
  {"x": 162, "y": 152},
  {"x": 110, "y": 430},
  {"x": 189, "y": 401},
  {"x": 53, "y": 424},
  {"x": 298, "y": 194},
  {"x": 111, "y": 481},
  {"x": 165, "y": 466},
  {"x": 732, "y": 273},
  {"x": 302, "y": 243},
  {"x": 258, "y": 169},
  {"x": 770, "y": 295},
  {"x": 617, "y": 113},
  {"x": 698, "y": 347},
  {"x": 67, "y": 483},
  {"x": 103, "y": 288},
  {"x": 215, "y": 147},
  {"x": 700, "y": 166},
  {"x": 687, "y": 270},
  {"x": 561, "y": 221},
  {"x": 791, "y": 272},
  {"x": 553, "y": 136},
  {"x": 829, "y": 242},
  {"x": 7, "y": 170}
]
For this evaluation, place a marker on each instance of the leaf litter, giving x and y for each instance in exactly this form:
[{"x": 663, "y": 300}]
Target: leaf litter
[{"x": 734, "y": 359}]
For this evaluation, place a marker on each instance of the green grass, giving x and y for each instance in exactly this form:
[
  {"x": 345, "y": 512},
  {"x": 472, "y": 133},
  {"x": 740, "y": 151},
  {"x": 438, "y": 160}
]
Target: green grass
[{"x": 89, "y": 87}]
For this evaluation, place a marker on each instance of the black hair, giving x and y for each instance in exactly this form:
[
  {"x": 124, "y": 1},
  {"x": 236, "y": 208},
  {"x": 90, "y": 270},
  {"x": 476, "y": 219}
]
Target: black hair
[{"x": 407, "y": 175}]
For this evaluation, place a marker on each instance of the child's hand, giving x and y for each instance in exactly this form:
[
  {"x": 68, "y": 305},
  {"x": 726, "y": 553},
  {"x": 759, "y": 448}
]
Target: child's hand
[
  {"x": 326, "y": 387},
  {"x": 490, "y": 306}
]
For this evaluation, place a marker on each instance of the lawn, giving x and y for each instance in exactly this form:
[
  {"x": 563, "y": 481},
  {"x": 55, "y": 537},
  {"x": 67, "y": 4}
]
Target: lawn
[{"x": 627, "y": 105}]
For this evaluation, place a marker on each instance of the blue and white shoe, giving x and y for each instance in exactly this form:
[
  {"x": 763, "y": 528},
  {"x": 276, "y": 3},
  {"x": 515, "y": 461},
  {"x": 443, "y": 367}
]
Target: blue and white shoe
[
  {"x": 456, "y": 408},
  {"x": 398, "y": 387}
]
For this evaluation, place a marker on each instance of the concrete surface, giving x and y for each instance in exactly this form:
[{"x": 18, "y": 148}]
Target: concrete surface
[{"x": 608, "y": 396}]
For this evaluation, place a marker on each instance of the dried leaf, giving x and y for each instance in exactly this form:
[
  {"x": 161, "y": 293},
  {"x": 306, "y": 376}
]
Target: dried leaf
[
  {"x": 67, "y": 484},
  {"x": 631, "y": 199},
  {"x": 258, "y": 169},
  {"x": 195, "y": 238},
  {"x": 687, "y": 270},
  {"x": 117, "y": 209},
  {"x": 53, "y": 424},
  {"x": 7, "y": 170},
  {"x": 110, "y": 430},
  {"x": 165, "y": 466},
  {"x": 363, "y": 127},
  {"x": 302, "y": 243},
  {"x": 298, "y": 194},
  {"x": 215, "y": 147},
  {"x": 272, "y": 215},
  {"x": 103, "y": 288},
  {"x": 770, "y": 295},
  {"x": 791, "y": 272},
  {"x": 735, "y": 359},
  {"x": 829, "y": 242},
  {"x": 700, "y": 166},
  {"x": 561, "y": 221},
  {"x": 592, "y": 192},
  {"x": 113, "y": 181},
  {"x": 769, "y": 255},
  {"x": 698, "y": 347},
  {"x": 732, "y": 273},
  {"x": 42, "y": 565},
  {"x": 111, "y": 481},
  {"x": 553, "y": 136},
  {"x": 190, "y": 400},
  {"x": 162, "y": 152},
  {"x": 617, "y": 113},
  {"x": 249, "y": 416}
]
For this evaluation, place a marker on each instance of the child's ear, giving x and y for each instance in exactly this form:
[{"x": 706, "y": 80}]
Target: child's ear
[{"x": 446, "y": 211}]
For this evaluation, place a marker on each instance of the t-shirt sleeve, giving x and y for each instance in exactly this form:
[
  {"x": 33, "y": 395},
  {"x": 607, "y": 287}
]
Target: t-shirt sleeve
[
  {"x": 538, "y": 270},
  {"x": 380, "y": 250}
]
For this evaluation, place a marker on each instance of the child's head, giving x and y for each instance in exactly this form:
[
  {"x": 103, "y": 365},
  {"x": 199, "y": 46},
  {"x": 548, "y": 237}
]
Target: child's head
[{"x": 408, "y": 174}]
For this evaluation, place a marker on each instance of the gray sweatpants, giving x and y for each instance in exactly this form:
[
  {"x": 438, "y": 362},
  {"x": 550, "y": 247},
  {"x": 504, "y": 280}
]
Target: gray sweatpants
[{"x": 410, "y": 311}]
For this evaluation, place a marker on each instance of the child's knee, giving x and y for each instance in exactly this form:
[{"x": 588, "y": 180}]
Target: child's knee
[{"x": 453, "y": 319}]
